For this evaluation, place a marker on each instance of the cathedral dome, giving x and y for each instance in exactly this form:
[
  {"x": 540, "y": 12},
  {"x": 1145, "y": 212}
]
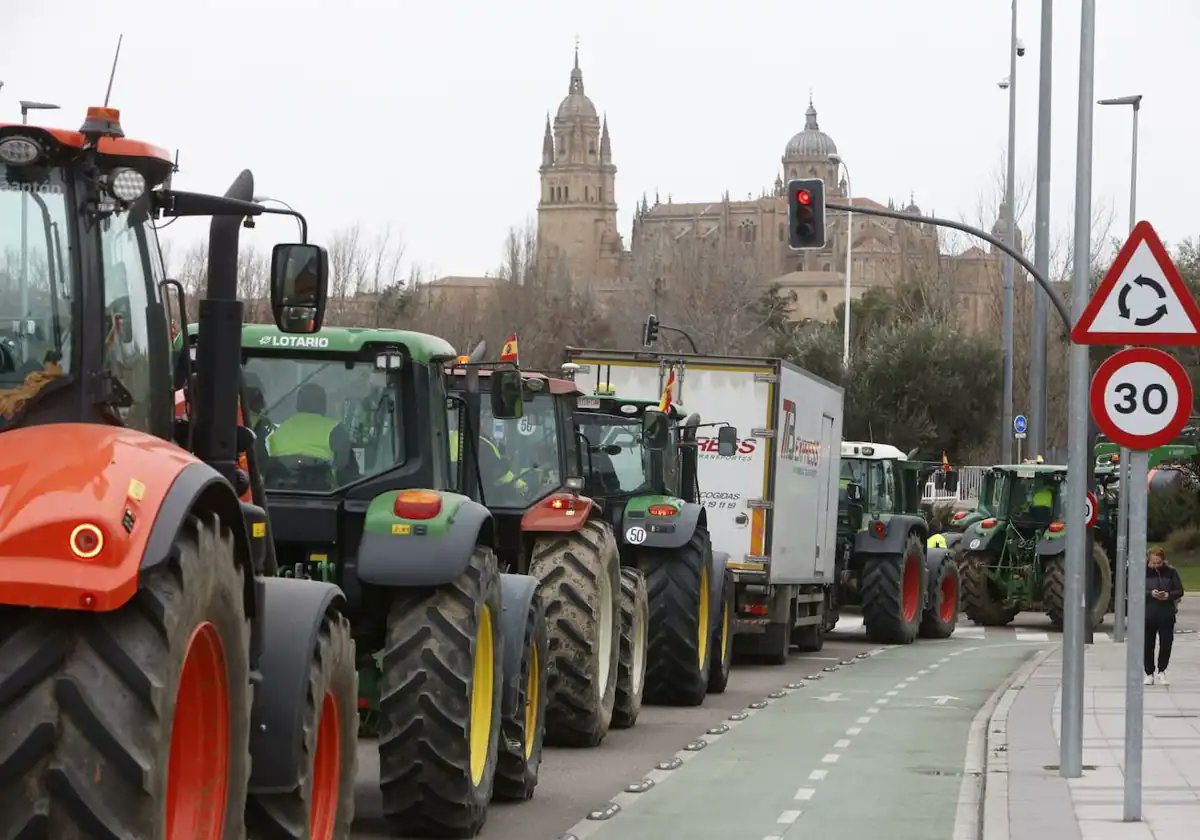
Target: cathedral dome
[
  {"x": 811, "y": 142},
  {"x": 576, "y": 105}
]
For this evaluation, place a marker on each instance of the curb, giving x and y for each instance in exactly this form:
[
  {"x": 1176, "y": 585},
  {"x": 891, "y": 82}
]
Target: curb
[{"x": 992, "y": 805}]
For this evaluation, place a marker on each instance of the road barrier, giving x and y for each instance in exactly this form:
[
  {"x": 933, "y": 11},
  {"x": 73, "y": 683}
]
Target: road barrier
[{"x": 959, "y": 485}]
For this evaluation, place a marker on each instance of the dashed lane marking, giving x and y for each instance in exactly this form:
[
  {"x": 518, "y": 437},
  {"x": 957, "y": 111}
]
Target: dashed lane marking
[
  {"x": 817, "y": 775},
  {"x": 804, "y": 794},
  {"x": 830, "y": 758},
  {"x": 788, "y": 817},
  {"x": 854, "y": 730}
]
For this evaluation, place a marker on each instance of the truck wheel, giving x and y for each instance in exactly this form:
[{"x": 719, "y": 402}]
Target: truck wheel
[
  {"x": 893, "y": 593},
  {"x": 680, "y": 628},
  {"x": 524, "y": 724},
  {"x": 132, "y": 723},
  {"x": 439, "y": 703},
  {"x": 1054, "y": 587},
  {"x": 722, "y": 639},
  {"x": 631, "y": 666},
  {"x": 775, "y": 644},
  {"x": 941, "y": 616},
  {"x": 579, "y": 576},
  {"x": 978, "y": 602},
  {"x": 322, "y": 807}
]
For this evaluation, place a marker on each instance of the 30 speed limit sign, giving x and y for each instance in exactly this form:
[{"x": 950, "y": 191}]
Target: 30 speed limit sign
[{"x": 1141, "y": 398}]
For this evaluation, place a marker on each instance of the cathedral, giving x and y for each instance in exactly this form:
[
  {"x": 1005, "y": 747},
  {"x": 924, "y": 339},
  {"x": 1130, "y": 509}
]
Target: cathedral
[{"x": 579, "y": 241}]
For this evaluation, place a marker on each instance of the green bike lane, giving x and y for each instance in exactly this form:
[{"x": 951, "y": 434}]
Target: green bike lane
[{"x": 875, "y": 748}]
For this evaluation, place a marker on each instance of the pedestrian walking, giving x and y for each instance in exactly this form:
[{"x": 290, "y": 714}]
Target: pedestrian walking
[{"x": 1164, "y": 588}]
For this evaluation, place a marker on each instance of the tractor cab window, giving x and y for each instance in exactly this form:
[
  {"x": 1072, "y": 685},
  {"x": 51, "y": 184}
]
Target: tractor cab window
[
  {"x": 38, "y": 293},
  {"x": 619, "y": 464},
  {"x": 519, "y": 459},
  {"x": 1034, "y": 498},
  {"x": 326, "y": 421},
  {"x": 881, "y": 487}
]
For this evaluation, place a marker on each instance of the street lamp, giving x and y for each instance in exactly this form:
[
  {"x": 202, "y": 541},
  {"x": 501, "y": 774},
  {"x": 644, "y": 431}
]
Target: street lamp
[
  {"x": 1016, "y": 48},
  {"x": 26, "y": 107},
  {"x": 837, "y": 161},
  {"x": 1123, "y": 467}
]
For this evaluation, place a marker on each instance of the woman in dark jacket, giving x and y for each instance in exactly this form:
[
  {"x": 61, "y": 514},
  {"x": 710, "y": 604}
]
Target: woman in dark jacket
[{"x": 1163, "y": 591}]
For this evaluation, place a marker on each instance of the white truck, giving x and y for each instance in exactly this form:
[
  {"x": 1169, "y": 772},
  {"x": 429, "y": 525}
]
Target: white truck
[{"x": 773, "y": 506}]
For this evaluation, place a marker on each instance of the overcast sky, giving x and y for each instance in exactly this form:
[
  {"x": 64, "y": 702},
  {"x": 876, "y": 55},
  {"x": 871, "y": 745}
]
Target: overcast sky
[{"x": 429, "y": 115}]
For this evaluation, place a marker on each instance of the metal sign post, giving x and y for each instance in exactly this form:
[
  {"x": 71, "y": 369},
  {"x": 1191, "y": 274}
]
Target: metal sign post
[
  {"x": 1132, "y": 810},
  {"x": 1121, "y": 585},
  {"x": 1020, "y": 429}
]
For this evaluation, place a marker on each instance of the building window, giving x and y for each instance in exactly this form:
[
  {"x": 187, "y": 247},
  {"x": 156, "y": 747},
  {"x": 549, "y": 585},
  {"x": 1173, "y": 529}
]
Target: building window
[
  {"x": 824, "y": 296},
  {"x": 592, "y": 148},
  {"x": 601, "y": 196},
  {"x": 826, "y": 267},
  {"x": 782, "y": 235},
  {"x": 566, "y": 193}
]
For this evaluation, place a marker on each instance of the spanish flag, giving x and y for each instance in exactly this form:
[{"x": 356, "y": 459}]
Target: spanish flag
[
  {"x": 664, "y": 405},
  {"x": 509, "y": 352},
  {"x": 945, "y": 462}
]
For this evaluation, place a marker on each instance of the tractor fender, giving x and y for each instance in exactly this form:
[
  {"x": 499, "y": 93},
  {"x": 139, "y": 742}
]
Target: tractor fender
[
  {"x": 404, "y": 552},
  {"x": 516, "y": 594},
  {"x": 291, "y": 613},
  {"x": 134, "y": 489},
  {"x": 952, "y": 538},
  {"x": 716, "y": 582},
  {"x": 894, "y": 540},
  {"x": 571, "y": 516},
  {"x": 641, "y": 531},
  {"x": 975, "y": 539},
  {"x": 1049, "y": 546}
]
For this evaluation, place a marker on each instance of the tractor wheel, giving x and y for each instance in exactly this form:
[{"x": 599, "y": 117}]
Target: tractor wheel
[
  {"x": 722, "y": 639},
  {"x": 893, "y": 592},
  {"x": 439, "y": 703},
  {"x": 1054, "y": 588},
  {"x": 132, "y": 723},
  {"x": 523, "y": 726},
  {"x": 977, "y": 599},
  {"x": 631, "y": 666},
  {"x": 579, "y": 576},
  {"x": 322, "y": 807},
  {"x": 680, "y": 627},
  {"x": 941, "y": 615}
]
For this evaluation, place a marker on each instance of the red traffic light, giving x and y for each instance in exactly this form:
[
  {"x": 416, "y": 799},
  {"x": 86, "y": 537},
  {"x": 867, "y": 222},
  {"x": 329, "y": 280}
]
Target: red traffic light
[{"x": 804, "y": 197}]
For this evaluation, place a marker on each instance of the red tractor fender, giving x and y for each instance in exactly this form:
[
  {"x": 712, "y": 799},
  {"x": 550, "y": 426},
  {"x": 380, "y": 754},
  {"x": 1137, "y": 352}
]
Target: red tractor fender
[
  {"x": 561, "y": 511},
  {"x": 78, "y": 507}
]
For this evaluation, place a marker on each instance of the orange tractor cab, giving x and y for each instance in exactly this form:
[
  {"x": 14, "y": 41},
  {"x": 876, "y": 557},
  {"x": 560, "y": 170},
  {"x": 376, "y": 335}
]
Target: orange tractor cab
[{"x": 154, "y": 682}]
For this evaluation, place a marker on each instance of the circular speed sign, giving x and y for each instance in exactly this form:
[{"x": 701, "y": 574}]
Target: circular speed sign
[
  {"x": 1141, "y": 398},
  {"x": 1090, "y": 509}
]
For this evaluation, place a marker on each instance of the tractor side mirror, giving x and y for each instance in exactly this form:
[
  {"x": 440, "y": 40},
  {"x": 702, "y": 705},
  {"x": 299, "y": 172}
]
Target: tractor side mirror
[
  {"x": 655, "y": 430},
  {"x": 727, "y": 441},
  {"x": 854, "y": 493},
  {"x": 299, "y": 282},
  {"x": 507, "y": 394}
]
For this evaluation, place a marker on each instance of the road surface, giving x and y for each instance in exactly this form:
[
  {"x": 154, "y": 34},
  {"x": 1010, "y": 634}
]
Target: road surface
[{"x": 894, "y": 723}]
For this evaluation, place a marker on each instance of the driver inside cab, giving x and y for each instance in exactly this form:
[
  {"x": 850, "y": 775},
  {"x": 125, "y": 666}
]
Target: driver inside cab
[{"x": 309, "y": 433}]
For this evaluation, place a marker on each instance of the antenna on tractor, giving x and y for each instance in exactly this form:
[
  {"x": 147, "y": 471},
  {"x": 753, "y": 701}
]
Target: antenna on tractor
[{"x": 112, "y": 74}]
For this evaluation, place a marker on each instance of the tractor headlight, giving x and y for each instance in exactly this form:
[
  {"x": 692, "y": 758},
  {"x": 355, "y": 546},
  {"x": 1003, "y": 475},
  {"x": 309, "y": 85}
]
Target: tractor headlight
[
  {"x": 127, "y": 184},
  {"x": 19, "y": 151}
]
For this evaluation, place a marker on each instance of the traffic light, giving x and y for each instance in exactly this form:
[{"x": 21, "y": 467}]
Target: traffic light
[
  {"x": 806, "y": 213},
  {"x": 650, "y": 330}
]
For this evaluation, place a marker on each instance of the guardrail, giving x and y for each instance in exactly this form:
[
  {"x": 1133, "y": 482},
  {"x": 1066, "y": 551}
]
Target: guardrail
[{"x": 959, "y": 485}]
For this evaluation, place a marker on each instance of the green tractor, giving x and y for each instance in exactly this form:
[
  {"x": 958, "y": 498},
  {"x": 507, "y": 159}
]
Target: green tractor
[
  {"x": 905, "y": 589},
  {"x": 1013, "y": 558},
  {"x": 642, "y": 468},
  {"x": 362, "y": 493}
]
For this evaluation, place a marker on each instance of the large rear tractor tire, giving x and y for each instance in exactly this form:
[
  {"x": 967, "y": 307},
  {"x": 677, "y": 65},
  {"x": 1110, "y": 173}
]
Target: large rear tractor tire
[
  {"x": 680, "y": 625},
  {"x": 941, "y": 616},
  {"x": 132, "y": 723},
  {"x": 979, "y": 604},
  {"x": 322, "y": 807},
  {"x": 893, "y": 594},
  {"x": 439, "y": 703},
  {"x": 631, "y": 666},
  {"x": 524, "y": 723},
  {"x": 579, "y": 576},
  {"x": 722, "y": 639},
  {"x": 1054, "y": 587}
]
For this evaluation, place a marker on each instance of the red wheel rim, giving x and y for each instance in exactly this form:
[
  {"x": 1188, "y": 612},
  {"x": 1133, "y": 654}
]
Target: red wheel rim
[
  {"x": 198, "y": 769},
  {"x": 326, "y": 778},
  {"x": 949, "y": 605},
  {"x": 911, "y": 587}
]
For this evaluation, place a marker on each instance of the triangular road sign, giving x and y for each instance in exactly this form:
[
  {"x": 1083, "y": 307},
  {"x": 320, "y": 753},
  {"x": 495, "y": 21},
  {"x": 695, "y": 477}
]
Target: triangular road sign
[{"x": 1142, "y": 299}]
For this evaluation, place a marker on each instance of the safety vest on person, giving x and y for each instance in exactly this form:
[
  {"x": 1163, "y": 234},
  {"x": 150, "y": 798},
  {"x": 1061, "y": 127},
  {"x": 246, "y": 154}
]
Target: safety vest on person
[
  {"x": 937, "y": 541},
  {"x": 303, "y": 434},
  {"x": 508, "y": 477},
  {"x": 1042, "y": 497}
]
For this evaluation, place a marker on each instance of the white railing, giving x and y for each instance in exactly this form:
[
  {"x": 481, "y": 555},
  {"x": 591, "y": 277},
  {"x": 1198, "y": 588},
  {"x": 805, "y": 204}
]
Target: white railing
[{"x": 936, "y": 489}]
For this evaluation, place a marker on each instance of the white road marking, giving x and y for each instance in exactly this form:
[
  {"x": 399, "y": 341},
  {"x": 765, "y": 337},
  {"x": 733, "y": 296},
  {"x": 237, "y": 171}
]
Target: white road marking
[
  {"x": 830, "y": 758},
  {"x": 865, "y": 719},
  {"x": 804, "y": 794},
  {"x": 788, "y": 817},
  {"x": 854, "y": 730},
  {"x": 923, "y": 671},
  {"x": 817, "y": 775},
  {"x": 1025, "y": 636},
  {"x": 933, "y": 665},
  {"x": 874, "y": 710},
  {"x": 902, "y": 685},
  {"x": 892, "y": 693},
  {"x": 841, "y": 743},
  {"x": 882, "y": 701}
]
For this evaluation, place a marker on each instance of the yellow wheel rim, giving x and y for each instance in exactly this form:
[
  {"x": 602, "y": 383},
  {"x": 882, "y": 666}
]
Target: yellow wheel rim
[
  {"x": 724, "y": 629},
  {"x": 702, "y": 623},
  {"x": 531, "y": 702},
  {"x": 481, "y": 696}
]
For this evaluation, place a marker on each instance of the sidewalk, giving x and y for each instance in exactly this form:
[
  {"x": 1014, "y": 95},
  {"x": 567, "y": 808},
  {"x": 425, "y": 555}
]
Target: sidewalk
[{"x": 1026, "y": 799}]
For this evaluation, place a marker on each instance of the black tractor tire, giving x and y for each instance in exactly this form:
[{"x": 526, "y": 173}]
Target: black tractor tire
[
  {"x": 430, "y": 783},
  {"x": 631, "y": 666},
  {"x": 977, "y": 600},
  {"x": 331, "y": 702},
  {"x": 1054, "y": 587},
  {"x": 90, "y": 702},
  {"x": 721, "y": 644},
  {"x": 524, "y": 723},
  {"x": 579, "y": 576},
  {"x": 680, "y": 653},
  {"x": 893, "y": 594},
  {"x": 941, "y": 616}
]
